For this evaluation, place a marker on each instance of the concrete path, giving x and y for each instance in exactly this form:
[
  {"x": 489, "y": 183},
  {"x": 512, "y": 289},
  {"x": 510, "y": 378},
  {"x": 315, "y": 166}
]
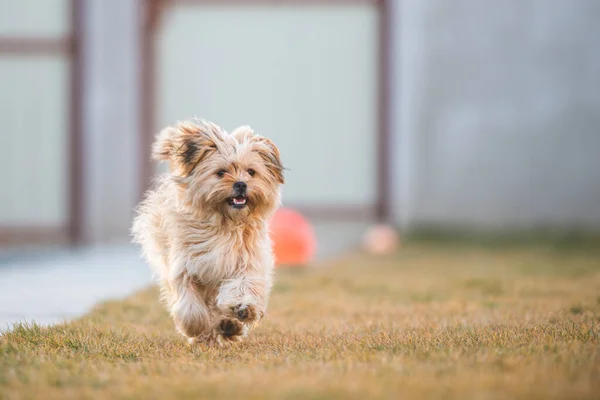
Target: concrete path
[
  {"x": 51, "y": 286},
  {"x": 56, "y": 285}
]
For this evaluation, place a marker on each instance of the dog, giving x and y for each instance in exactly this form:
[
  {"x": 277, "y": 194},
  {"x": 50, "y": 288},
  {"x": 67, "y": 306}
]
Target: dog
[{"x": 204, "y": 228}]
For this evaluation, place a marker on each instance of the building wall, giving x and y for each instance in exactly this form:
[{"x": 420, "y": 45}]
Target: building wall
[
  {"x": 495, "y": 109},
  {"x": 111, "y": 112},
  {"x": 496, "y": 113},
  {"x": 34, "y": 119},
  {"x": 282, "y": 70},
  {"x": 304, "y": 76}
]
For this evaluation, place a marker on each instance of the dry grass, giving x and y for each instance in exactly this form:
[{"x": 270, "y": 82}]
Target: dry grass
[{"x": 428, "y": 322}]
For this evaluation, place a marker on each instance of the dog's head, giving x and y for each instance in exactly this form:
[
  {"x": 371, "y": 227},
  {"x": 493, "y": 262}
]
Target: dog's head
[{"x": 236, "y": 174}]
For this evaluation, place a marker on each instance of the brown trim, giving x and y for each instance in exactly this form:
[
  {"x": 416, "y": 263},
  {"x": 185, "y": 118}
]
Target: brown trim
[
  {"x": 151, "y": 12},
  {"x": 75, "y": 222},
  {"x": 384, "y": 150},
  {"x": 336, "y": 213},
  {"x": 296, "y": 3},
  {"x": 13, "y": 235},
  {"x": 35, "y": 46}
]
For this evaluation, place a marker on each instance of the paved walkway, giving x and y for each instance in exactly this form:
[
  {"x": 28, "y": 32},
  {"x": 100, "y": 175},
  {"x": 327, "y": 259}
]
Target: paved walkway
[
  {"x": 51, "y": 286},
  {"x": 56, "y": 285}
]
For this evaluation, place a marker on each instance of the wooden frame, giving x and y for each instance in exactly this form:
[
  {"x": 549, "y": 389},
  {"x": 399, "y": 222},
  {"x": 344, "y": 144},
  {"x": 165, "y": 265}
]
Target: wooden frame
[{"x": 152, "y": 15}]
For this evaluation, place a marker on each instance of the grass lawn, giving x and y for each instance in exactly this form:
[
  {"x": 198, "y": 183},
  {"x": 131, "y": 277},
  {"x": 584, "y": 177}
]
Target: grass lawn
[{"x": 433, "y": 321}]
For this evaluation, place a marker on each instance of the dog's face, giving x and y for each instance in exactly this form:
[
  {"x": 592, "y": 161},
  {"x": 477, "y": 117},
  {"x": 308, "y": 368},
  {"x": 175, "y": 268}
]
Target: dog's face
[{"x": 235, "y": 174}]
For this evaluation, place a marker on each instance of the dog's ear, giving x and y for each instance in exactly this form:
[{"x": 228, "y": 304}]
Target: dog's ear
[
  {"x": 270, "y": 155},
  {"x": 185, "y": 145}
]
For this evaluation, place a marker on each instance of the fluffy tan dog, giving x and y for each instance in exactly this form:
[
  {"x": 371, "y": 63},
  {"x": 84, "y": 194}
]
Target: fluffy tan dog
[{"x": 204, "y": 227}]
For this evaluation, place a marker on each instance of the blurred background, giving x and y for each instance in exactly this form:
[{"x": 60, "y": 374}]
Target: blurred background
[{"x": 478, "y": 116}]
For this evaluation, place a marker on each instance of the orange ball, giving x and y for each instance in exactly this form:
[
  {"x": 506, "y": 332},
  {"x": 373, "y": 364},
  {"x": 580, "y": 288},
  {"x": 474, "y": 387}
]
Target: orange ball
[{"x": 294, "y": 241}]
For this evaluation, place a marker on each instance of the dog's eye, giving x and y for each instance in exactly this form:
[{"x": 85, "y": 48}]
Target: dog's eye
[
  {"x": 251, "y": 172},
  {"x": 221, "y": 173}
]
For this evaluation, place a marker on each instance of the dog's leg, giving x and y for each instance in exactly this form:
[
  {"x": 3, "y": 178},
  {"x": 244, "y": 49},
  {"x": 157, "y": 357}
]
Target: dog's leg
[
  {"x": 243, "y": 299},
  {"x": 190, "y": 313}
]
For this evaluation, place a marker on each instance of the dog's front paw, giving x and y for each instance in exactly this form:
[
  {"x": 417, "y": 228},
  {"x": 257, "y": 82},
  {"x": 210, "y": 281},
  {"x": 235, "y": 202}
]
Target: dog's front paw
[
  {"x": 230, "y": 329},
  {"x": 246, "y": 313}
]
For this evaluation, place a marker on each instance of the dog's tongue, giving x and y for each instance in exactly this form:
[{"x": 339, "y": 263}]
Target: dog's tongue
[{"x": 239, "y": 200}]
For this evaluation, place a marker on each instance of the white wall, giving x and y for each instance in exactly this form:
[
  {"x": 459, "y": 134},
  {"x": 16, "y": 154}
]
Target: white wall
[
  {"x": 35, "y": 18},
  {"x": 34, "y": 117},
  {"x": 305, "y": 76},
  {"x": 497, "y": 116}
]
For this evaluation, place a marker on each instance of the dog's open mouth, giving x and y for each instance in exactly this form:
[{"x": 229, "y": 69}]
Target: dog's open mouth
[{"x": 238, "y": 201}]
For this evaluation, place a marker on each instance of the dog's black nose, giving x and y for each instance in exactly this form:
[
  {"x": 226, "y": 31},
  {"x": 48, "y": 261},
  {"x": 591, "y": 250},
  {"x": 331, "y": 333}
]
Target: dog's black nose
[{"x": 240, "y": 186}]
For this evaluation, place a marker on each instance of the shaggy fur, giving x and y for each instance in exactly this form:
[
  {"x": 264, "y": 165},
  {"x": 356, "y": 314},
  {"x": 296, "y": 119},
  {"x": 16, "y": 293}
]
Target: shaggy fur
[{"x": 203, "y": 228}]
